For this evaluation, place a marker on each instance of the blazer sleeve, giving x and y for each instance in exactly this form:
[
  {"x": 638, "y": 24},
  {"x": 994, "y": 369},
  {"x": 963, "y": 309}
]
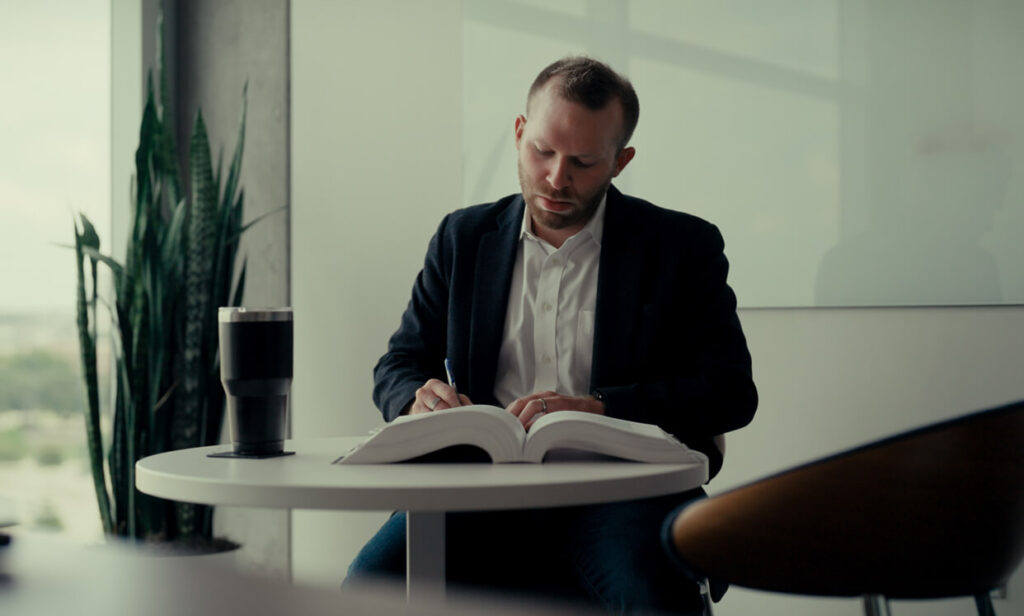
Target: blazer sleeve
[
  {"x": 689, "y": 370},
  {"x": 416, "y": 351}
]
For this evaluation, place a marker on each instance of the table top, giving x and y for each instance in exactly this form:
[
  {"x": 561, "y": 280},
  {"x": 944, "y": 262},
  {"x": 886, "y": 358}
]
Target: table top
[{"x": 308, "y": 480}]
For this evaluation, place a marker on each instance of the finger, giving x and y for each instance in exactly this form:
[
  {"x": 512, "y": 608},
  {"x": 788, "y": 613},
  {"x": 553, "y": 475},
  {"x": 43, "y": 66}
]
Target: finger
[
  {"x": 422, "y": 404},
  {"x": 449, "y": 397},
  {"x": 533, "y": 410},
  {"x": 464, "y": 399},
  {"x": 429, "y": 397},
  {"x": 517, "y": 406},
  {"x": 534, "y": 420},
  {"x": 441, "y": 395}
]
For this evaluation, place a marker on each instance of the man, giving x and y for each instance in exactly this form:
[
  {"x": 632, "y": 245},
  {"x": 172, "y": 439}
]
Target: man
[{"x": 571, "y": 296}]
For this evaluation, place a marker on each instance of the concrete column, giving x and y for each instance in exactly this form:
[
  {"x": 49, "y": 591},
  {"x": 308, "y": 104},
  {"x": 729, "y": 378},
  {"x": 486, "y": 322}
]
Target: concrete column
[{"x": 213, "y": 49}]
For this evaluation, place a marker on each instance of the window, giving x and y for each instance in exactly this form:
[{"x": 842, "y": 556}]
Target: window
[{"x": 54, "y": 163}]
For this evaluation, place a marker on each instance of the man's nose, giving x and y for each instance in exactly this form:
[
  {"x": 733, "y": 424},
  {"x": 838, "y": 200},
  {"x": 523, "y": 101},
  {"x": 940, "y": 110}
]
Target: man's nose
[{"x": 558, "y": 174}]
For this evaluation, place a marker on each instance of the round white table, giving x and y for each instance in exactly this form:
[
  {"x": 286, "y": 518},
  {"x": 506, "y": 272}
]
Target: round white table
[{"x": 308, "y": 480}]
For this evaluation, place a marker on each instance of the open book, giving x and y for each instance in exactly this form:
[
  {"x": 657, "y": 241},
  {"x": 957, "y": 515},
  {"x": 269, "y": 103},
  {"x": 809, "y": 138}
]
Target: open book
[{"x": 503, "y": 438}]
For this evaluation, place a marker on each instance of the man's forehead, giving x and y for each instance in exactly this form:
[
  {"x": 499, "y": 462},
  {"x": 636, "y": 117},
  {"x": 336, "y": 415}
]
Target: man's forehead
[{"x": 555, "y": 128}]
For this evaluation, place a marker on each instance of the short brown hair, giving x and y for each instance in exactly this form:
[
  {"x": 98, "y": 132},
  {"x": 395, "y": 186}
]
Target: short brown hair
[{"x": 592, "y": 83}]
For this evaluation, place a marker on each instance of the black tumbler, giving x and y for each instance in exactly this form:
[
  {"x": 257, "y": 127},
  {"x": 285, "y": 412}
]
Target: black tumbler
[{"x": 256, "y": 371}]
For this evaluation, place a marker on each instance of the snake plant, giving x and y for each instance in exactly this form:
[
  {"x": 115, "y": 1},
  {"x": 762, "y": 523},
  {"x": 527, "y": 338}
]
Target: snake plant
[{"x": 179, "y": 266}]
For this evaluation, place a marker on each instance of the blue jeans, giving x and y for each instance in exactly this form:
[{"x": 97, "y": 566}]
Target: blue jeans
[{"x": 609, "y": 555}]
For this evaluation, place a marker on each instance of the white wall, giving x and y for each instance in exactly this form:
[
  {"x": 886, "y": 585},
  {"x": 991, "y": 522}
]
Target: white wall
[{"x": 377, "y": 160}]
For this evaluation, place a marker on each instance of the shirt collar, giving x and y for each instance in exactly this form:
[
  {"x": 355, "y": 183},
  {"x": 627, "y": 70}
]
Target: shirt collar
[{"x": 594, "y": 226}]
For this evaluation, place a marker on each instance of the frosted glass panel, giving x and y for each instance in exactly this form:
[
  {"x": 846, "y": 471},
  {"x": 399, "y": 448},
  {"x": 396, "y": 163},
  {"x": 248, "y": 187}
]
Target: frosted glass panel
[
  {"x": 572, "y": 7},
  {"x": 853, "y": 152},
  {"x": 760, "y": 160},
  {"x": 796, "y": 34}
]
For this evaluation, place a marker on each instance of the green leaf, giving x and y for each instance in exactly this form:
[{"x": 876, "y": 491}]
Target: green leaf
[
  {"x": 199, "y": 276},
  {"x": 239, "y": 287},
  {"x": 87, "y": 349},
  {"x": 177, "y": 268},
  {"x": 89, "y": 238},
  {"x": 145, "y": 174},
  {"x": 252, "y": 222},
  {"x": 166, "y": 149},
  {"x": 116, "y": 268},
  {"x": 236, "y": 160}
]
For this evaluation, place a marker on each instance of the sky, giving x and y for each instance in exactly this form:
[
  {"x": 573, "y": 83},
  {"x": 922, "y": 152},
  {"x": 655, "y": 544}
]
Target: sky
[{"x": 54, "y": 144}]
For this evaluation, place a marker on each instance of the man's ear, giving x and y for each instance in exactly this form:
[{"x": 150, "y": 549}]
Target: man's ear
[
  {"x": 622, "y": 159},
  {"x": 520, "y": 127}
]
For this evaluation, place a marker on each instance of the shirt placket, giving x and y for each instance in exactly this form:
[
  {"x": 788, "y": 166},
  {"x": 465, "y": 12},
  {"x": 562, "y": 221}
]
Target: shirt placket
[{"x": 545, "y": 319}]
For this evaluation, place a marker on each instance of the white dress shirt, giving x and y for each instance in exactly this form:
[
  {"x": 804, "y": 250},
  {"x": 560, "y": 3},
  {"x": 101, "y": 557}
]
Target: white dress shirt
[{"x": 548, "y": 339}]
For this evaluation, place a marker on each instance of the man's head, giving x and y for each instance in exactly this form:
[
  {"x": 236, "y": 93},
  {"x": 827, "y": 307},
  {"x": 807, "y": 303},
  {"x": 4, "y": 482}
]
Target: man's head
[
  {"x": 581, "y": 116},
  {"x": 593, "y": 84}
]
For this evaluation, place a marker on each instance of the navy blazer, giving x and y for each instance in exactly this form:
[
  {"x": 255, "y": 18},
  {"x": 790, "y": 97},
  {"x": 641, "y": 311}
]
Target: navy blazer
[{"x": 668, "y": 346}]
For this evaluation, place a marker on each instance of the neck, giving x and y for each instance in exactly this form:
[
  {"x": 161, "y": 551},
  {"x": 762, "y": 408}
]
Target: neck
[{"x": 555, "y": 237}]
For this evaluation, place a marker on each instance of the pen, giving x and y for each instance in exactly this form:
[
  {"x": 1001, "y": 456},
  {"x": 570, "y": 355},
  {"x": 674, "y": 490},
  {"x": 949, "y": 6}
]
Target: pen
[{"x": 451, "y": 379}]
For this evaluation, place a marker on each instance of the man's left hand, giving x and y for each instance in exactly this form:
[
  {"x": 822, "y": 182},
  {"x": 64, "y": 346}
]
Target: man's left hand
[{"x": 531, "y": 408}]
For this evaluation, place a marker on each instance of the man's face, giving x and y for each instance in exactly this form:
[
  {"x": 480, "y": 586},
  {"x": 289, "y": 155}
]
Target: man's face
[{"x": 568, "y": 155}]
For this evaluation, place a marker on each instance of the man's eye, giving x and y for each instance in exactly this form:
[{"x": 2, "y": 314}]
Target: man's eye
[
  {"x": 543, "y": 152},
  {"x": 583, "y": 165}
]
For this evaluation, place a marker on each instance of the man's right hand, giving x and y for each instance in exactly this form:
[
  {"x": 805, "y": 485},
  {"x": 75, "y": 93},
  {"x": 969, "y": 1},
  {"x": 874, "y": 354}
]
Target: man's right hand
[{"x": 435, "y": 395}]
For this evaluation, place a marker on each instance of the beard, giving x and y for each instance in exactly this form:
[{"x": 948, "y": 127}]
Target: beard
[{"x": 582, "y": 207}]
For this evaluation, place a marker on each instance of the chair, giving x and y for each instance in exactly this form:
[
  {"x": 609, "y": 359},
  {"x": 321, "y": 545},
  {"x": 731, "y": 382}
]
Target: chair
[
  {"x": 720, "y": 444},
  {"x": 930, "y": 513}
]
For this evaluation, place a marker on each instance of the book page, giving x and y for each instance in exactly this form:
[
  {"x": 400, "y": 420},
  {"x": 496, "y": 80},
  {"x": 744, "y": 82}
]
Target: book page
[
  {"x": 622, "y": 425},
  {"x": 605, "y": 435},
  {"x": 490, "y": 428}
]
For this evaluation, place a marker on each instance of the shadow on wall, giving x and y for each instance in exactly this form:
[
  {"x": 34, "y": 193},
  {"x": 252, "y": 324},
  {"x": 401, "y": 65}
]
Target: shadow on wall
[{"x": 924, "y": 245}]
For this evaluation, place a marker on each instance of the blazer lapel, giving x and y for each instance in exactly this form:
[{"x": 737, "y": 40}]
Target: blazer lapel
[
  {"x": 494, "y": 264},
  {"x": 617, "y": 312}
]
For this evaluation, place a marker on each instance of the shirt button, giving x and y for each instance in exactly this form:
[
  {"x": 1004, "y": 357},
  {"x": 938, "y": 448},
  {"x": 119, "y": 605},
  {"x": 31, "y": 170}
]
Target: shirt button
[
  {"x": 547, "y": 307},
  {"x": 546, "y": 359}
]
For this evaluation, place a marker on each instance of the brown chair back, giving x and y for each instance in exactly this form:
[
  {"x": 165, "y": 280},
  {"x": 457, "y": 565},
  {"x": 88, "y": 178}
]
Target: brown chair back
[{"x": 934, "y": 512}]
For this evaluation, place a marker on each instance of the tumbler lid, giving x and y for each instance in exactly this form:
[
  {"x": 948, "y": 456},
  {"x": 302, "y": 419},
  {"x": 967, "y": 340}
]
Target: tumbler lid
[{"x": 234, "y": 314}]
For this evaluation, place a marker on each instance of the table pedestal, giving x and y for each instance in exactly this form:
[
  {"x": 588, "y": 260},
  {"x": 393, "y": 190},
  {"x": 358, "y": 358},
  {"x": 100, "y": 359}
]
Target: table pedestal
[{"x": 425, "y": 555}]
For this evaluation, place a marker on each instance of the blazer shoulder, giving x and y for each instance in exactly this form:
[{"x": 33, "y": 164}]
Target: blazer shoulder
[
  {"x": 461, "y": 232},
  {"x": 484, "y": 217},
  {"x": 664, "y": 222}
]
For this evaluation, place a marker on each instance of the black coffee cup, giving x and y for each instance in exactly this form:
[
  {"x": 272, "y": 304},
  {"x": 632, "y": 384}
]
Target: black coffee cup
[{"x": 256, "y": 371}]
